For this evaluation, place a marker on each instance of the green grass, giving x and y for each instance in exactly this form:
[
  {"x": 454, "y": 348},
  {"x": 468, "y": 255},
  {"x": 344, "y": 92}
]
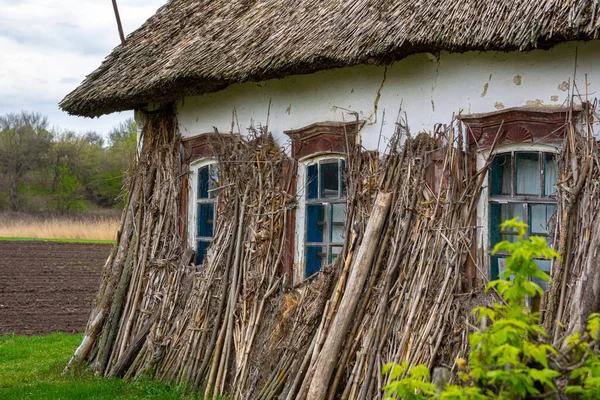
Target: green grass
[
  {"x": 31, "y": 368},
  {"x": 24, "y": 239}
]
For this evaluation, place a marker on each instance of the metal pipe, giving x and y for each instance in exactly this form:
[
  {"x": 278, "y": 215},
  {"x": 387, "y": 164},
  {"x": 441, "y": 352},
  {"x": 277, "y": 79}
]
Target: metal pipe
[{"x": 119, "y": 26}]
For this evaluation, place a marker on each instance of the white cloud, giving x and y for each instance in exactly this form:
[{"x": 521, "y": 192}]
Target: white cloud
[{"x": 48, "y": 46}]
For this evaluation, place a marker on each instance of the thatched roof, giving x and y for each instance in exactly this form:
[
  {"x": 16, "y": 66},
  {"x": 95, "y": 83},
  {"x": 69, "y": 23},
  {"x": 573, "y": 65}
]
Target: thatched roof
[{"x": 195, "y": 47}]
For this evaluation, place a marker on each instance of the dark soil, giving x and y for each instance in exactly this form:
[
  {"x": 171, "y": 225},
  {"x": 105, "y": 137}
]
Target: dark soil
[{"x": 47, "y": 287}]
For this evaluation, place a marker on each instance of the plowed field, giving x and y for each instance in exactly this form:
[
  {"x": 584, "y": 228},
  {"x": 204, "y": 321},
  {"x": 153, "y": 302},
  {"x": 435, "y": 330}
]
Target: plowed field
[{"x": 47, "y": 287}]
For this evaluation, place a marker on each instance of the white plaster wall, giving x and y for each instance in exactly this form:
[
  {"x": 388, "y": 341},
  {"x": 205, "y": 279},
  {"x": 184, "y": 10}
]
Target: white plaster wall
[{"x": 430, "y": 91}]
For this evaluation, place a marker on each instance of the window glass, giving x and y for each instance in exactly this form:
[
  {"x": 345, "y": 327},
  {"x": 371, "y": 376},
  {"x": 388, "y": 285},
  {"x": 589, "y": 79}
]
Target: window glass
[
  {"x": 343, "y": 175},
  {"x": 500, "y": 213},
  {"x": 550, "y": 174},
  {"x": 523, "y": 202},
  {"x": 338, "y": 216},
  {"x": 330, "y": 179},
  {"x": 543, "y": 265},
  {"x": 312, "y": 181},
  {"x": 334, "y": 253},
  {"x": 500, "y": 174},
  {"x": 325, "y": 213},
  {"x": 528, "y": 173},
  {"x": 203, "y": 182},
  {"x": 201, "y": 247},
  {"x": 315, "y": 223},
  {"x": 205, "y": 208},
  {"x": 205, "y": 219},
  {"x": 539, "y": 215},
  {"x": 496, "y": 266},
  {"x": 314, "y": 258},
  {"x": 213, "y": 181}
]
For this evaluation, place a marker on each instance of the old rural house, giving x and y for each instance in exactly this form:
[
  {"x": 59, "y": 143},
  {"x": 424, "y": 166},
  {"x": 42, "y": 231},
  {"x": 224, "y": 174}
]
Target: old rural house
[{"x": 260, "y": 122}]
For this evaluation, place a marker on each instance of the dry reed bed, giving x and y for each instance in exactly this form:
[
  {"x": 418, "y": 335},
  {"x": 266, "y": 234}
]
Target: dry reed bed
[{"x": 101, "y": 228}]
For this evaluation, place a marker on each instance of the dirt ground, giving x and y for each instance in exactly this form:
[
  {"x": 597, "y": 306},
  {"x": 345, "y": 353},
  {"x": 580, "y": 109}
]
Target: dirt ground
[{"x": 47, "y": 287}]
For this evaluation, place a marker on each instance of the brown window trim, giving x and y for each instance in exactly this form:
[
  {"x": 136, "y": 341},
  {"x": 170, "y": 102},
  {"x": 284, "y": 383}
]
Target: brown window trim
[
  {"x": 517, "y": 125},
  {"x": 324, "y": 137},
  {"x": 204, "y": 145}
]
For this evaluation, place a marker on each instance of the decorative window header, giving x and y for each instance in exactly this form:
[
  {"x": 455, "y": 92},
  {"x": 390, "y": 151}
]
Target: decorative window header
[
  {"x": 517, "y": 125},
  {"x": 205, "y": 145},
  {"x": 323, "y": 137}
]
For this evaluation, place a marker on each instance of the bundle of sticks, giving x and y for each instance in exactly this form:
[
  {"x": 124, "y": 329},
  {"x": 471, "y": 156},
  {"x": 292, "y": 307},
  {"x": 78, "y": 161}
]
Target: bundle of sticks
[
  {"x": 575, "y": 287},
  {"x": 233, "y": 327}
]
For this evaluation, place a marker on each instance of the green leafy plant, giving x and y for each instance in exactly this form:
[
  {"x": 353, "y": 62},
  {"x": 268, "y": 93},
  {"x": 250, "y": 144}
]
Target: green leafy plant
[
  {"x": 510, "y": 356},
  {"x": 414, "y": 386},
  {"x": 585, "y": 379},
  {"x": 507, "y": 358}
]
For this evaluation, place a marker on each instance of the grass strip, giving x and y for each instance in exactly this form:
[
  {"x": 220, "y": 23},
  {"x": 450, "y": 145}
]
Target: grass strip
[
  {"x": 31, "y": 368},
  {"x": 27, "y": 239}
]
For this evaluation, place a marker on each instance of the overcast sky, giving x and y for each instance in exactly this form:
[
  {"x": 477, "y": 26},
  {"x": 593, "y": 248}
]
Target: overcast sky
[{"x": 47, "y": 47}]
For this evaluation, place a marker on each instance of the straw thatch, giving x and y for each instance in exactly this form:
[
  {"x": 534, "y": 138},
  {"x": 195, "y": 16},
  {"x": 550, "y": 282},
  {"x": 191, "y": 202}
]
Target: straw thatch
[{"x": 190, "y": 48}]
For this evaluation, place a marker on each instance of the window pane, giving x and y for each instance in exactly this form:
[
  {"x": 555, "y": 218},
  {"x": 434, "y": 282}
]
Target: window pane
[
  {"x": 510, "y": 211},
  {"x": 539, "y": 215},
  {"x": 500, "y": 213},
  {"x": 203, "y": 182},
  {"x": 314, "y": 259},
  {"x": 334, "y": 252},
  {"x": 312, "y": 181},
  {"x": 338, "y": 216},
  {"x": 205, "y": 219},
  {"x": 550, "y": 174},
  {"x": 528, "y": 173},
  {"x": 201, "y": 247},
  {"x": 500, "y": 174},
  {"x": 343, "y": 176},
  {"x": 496, "y": 266},
  {"x": 329, "y": 179},
  {"x": 213, "y": 181},
  {"x": 509, "y": 237},
  {"x": 543, "y": 265},
  {"x": 315, "y": 223}
]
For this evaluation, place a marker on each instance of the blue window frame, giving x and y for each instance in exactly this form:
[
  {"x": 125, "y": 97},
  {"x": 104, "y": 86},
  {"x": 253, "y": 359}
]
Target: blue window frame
[
  {"x": 325, "y": 213},
  {"x": 521, "y": 184},
  {"x": 205, "y": 208}
]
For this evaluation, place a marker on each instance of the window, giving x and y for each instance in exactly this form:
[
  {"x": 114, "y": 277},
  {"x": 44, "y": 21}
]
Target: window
[
  {"x": 325, "y": 208},
  {"x": 203, "y": 209},
  {"x": 521, "y": 184}
]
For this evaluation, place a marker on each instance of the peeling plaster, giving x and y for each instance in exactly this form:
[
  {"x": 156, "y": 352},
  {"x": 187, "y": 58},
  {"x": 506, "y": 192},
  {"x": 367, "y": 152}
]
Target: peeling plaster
[
  {"x": 554, "y": 98},
  {"x": 413, "y": 82},
  {"x": 377, "y": 97},
  {"x": 564, "y": 86},
  {"x": 536, "y": 102},
  {"x": 485, "y": 89},
  {"x": 498, "y": 105},
  {"x": 288, "y": 110},
  {"x": 517, "y": 80}
]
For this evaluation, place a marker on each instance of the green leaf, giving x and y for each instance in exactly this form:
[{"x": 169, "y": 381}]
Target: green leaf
[
  {"x": 420, "y": 372},
  {"x": 593, "y": 324}
]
